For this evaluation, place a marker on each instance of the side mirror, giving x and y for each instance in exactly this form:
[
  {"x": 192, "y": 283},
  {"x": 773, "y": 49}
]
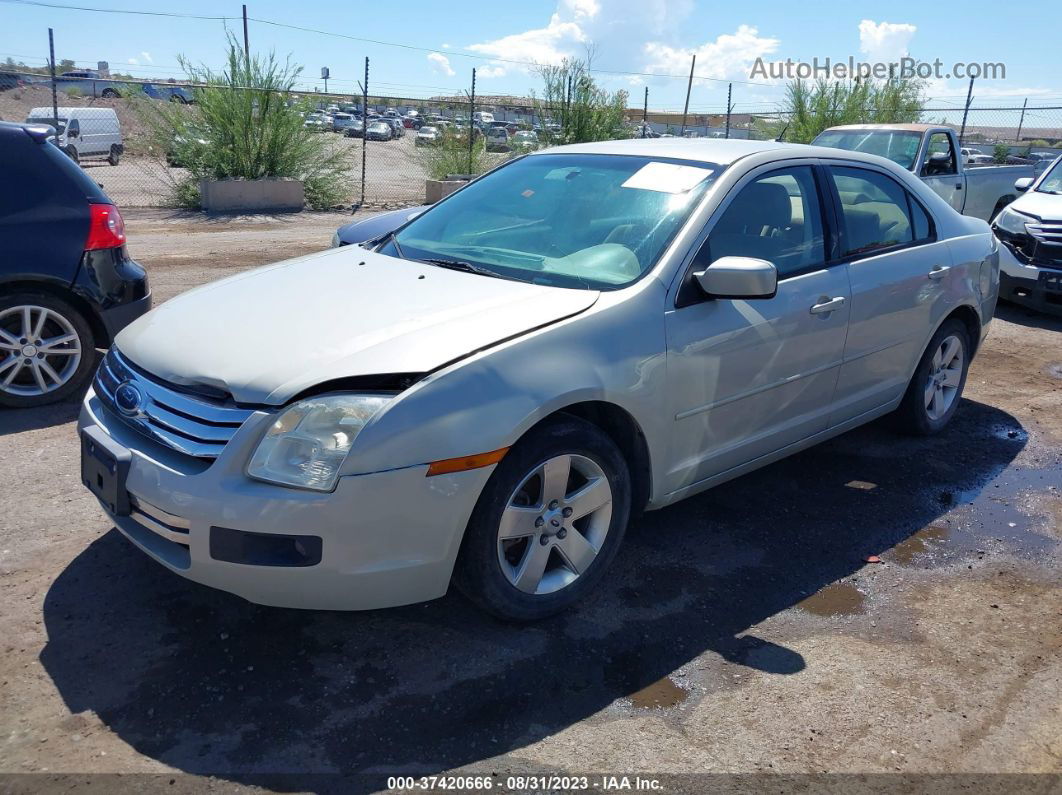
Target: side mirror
[
  {"x": 1023, "y": 184},
  {"x": 739, "y": 277}
]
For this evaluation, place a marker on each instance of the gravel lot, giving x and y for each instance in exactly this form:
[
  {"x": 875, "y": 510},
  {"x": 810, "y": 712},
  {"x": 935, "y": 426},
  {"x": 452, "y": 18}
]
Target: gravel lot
[{"x": 739, "y": 631}]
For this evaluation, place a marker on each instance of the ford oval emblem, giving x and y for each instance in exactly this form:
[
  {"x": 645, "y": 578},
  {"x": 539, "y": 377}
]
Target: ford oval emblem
[{"x": 128, "y": 398}]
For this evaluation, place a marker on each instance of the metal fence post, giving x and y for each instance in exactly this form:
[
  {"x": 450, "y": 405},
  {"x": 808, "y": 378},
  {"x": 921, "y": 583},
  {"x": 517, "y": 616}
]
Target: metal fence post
[
  {"x": 645, "y": 113},
  {"x": 1021, "y": 121},
  {"x": 966, "y": 111},
  {"x": 689, "y": 87},
  {"x": 364, "y": 127},
  {"x": 471, "y": 123},
  {"x": 729, "y": 107},
  {"x": 55, "y": 96}
]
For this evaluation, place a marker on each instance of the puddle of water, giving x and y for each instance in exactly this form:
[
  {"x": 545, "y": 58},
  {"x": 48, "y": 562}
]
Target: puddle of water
[
  {"x": 919, "y": 544},
  {"x": 839, "y": 599},
  {"x": 661, "y": 693}
]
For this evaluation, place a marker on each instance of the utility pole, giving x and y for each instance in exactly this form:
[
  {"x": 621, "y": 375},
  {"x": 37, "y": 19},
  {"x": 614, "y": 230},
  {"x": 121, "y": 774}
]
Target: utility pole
[
  {"x": 1021, "y": 121},
  {"x": 729, "y": 107},
  {"x": 471, "y": 124},
  {"x": 246, "y": 40},
  {"x": 966, "y": 111},
  {"x": 689, "y": 87},
  {"x": 645, "y": 113},
  {"x": 364, "y": 127},
  {"x": 55, "y": 97}
]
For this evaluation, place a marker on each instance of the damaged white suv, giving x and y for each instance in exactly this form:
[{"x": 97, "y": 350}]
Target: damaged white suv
[{"x": 486, "y": 394}]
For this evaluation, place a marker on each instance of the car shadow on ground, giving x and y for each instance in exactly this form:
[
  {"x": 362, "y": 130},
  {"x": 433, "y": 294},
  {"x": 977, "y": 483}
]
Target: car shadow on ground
[
  {"x": 1024, "y": 316},
  {"x": 19, "y": 420},
  {"x": 208, "y": 683}
]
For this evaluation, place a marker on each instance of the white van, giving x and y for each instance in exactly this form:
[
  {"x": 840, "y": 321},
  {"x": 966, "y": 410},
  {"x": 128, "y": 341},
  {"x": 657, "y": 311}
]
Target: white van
[
  {"x": 84, "y": 133},
  {"x": 482, "y": 118}
]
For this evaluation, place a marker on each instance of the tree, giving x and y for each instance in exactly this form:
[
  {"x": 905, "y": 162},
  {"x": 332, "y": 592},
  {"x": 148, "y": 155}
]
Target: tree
[
  {"x": 571, "y": 99},
  {"x": 1000, "y": 152},
  {"x": 809, "y": 108}
]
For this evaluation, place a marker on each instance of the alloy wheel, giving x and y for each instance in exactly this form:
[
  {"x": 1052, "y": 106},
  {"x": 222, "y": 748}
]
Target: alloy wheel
[
  {"x": 945, "y": 377},
  {"x": 554, "y": 524},
  {"x": 39, "y": 350}
]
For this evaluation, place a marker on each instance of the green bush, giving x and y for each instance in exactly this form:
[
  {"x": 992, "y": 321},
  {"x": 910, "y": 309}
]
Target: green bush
[
  {"x": 247, "y": 124},
  {"x": 1000, "y": 153},
  {"x": 809, "y": 108},
  {"x": 451, "y": 156}
]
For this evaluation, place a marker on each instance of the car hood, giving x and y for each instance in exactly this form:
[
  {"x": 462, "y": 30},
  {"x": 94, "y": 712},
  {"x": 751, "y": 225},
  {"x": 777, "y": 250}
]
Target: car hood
[
  {"x": 266, "y": 335},
  {"x": 1045, "y": 206}
]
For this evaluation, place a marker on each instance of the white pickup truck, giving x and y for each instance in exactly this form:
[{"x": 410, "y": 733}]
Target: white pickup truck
[{"x": 929, "y": 151}]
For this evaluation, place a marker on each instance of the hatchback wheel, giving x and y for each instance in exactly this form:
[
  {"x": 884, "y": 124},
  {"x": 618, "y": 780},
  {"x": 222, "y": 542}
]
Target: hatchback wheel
[
  {"x": 114, "y": 156},
  {"x": 934, "y": 392},
  {"x": 46, "y": 350},
  {"x": 548, "y": 523}
]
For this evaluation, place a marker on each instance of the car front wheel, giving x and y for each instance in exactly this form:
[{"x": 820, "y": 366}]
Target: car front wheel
[
  {"x": 46, "y": 350},
  {"x": 933, "y": 395},
  {"x": 547, "y": 524}
]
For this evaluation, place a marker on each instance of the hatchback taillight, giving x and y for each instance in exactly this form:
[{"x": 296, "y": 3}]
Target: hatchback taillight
[{"x": 106, "y": 227}]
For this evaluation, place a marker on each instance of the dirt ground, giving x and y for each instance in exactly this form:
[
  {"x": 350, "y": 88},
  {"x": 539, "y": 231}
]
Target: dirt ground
[{"x": 741, "y": 631}]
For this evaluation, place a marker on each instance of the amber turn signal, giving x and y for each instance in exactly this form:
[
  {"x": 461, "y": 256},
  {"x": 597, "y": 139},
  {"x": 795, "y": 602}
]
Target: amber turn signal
[{"x": 460, "y": 464}]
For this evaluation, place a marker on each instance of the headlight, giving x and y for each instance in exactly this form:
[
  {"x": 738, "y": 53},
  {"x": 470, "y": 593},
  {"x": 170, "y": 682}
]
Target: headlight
[
  {"x": 307, "y": 444},
  {"x": 1012, "y": 222},
  {"x": 335, "y": 240}
]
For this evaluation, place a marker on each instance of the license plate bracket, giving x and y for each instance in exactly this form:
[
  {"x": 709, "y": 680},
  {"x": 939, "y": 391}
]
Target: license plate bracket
[
  {"x": 1051, "y": 281},
  {"x": 104, "y": 469}
]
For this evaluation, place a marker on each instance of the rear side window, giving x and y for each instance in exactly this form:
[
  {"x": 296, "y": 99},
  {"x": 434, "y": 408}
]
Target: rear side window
[
  {"x": 923, "y": 228},
  {"x": 875, "y": 211}
]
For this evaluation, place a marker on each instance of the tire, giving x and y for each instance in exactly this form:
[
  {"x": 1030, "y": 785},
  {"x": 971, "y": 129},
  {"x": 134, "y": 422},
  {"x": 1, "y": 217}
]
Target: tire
[
  {"x": 936, "y": 386},
  {"x": 178, "y": 99},
  {"x": 110, "y": 93},
  {"x": 574, "y": 551},
  {"x": 64, "y": 372},
  {"x": 114, "y": 156},
  {"x": 71, "y": 152}
]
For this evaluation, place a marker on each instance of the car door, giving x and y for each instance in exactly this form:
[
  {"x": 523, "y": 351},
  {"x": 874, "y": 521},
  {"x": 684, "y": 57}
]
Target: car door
[
  {"x": 940, "y": 171},
  {"x": 899, "y": 273},
  {"x": 750, "y": 377}
]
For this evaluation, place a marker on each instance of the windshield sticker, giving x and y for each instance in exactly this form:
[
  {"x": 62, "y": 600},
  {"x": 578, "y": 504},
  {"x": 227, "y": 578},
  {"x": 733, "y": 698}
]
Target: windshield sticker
[{"x": 667, "y": 177}]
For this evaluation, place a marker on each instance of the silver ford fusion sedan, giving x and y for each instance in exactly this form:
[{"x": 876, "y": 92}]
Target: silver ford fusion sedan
[{"x": 486, "y": 394}]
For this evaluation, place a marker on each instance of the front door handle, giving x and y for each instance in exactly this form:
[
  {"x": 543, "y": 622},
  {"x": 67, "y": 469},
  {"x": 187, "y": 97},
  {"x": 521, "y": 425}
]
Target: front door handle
[
  {"x": 827, "y": 305},
  {"x": 939, "y": 271}
]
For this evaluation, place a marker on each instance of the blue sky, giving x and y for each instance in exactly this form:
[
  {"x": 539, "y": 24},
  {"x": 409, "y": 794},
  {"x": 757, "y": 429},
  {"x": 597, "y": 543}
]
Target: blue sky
[{"x": 656, "y": 37}]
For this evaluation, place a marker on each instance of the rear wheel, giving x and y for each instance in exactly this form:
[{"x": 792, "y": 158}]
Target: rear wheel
[
  {"x": 548, "y": 523},
  {"x": 115, "y": 155},
  {"x": 46, "y": 350},
  {"x": 71, "y": 152},
  {"x": 110, "y": 93},
  {"x": 936, "y": 387}
]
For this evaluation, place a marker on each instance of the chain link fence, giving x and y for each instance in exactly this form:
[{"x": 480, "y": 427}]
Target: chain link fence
[{"x": 102, "y": 123}]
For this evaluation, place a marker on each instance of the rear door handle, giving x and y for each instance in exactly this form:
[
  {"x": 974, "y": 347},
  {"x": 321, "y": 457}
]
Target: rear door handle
[
  {"x": 825, "y": 306},
  {"x": 939, "y": 271}
]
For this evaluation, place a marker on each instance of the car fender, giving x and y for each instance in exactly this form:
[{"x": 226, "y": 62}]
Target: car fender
[{"x": 490, "y": 399}]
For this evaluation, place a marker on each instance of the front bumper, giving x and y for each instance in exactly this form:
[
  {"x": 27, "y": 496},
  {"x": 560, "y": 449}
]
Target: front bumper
[
  {"x": 1021, "y": 283},
  {"x": 386, "y": 538}
]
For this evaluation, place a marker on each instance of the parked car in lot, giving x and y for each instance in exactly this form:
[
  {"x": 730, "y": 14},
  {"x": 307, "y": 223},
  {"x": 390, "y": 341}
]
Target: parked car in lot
[
  {"x": 524, "y": 141},
  {"x": 497, "y": 139},
  {"x": 971, "y": 156},
  {"x": 317, "y": 122},
  {"x": 356, "y": 129},
  {"x": 84, "y": 133},
  {"x": 1030, "y": 229},
  {"x": 67, "y": 283},
  {"x": 167, "y": 92},
  {"x": 10, "y": 80},
  {"x": 577, "y": 335},
  {"x": 379, "y": 130},
  {"x": 374, "y": 226},
  {"x": 341, "y": 122},
  {"x": 427, "y": 136},
  {"x": 928, "y": 150},
  {"x": 397, "y": 129}
]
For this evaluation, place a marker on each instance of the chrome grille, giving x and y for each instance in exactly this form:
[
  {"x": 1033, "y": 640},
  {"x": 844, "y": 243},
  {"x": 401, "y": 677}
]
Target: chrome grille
[
  {"x": 1046, "y": 231},
  {"x": 176, "y": 419}
]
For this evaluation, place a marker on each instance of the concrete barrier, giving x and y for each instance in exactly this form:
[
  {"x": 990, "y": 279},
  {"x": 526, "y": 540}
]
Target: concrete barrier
[
  {"x": 251, "y": 195},
  {"x": 438, "y": 189}
]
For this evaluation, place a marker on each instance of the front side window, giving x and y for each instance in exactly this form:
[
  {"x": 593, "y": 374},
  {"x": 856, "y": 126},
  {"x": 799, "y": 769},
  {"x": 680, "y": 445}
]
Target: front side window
[
  {"x": 940, "y": 157},
  {"x": 775, "y": 217},
  {"x": 567, "y": 220},
  {"x": 874, "y": 209}
]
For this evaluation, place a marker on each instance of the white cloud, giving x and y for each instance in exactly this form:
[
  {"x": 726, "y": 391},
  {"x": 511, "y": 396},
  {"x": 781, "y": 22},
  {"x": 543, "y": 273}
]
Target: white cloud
[
  {"x": 583, "y": 8},
  {"x": 147, "y": 57},
  {"x": 498, "y": 70},
  {"x": 441, "y": 64},
  {"x": 730, "y": 55},
  {"x": 550, "y": 44},
  {"x": 885, "y": 42}
]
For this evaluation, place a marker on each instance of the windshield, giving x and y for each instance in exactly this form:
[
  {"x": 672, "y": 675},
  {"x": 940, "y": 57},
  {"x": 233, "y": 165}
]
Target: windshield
[
  {"x": 1052, "y": 180},
  {"x": 49, "y": 121},
  {"x": 899, "y": 146},
  {"x": 566, "y": 220}
]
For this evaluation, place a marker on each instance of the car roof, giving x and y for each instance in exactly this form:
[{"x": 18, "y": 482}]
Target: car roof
[
  {"x": 904, "y": 127},
  {"x": 720, "y": 151}
]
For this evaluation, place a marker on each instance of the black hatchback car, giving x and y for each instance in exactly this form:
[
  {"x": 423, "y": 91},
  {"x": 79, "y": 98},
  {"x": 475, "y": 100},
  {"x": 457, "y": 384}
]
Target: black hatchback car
[{"x": 67, "y": 284}]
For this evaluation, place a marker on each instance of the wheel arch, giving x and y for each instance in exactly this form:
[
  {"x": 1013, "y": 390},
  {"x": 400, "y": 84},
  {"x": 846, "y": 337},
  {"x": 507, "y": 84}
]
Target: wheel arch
[
  {"x": 970, "y": 319},
  {"x": 625, "y": 432}
]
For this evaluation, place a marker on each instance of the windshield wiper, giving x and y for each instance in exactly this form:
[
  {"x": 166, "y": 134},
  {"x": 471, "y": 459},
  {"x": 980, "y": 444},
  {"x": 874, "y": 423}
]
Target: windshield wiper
[{"x": 461, "y": 265}]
